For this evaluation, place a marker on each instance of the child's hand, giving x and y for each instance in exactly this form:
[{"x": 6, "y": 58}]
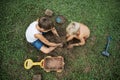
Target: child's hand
[
  {"x": 70, "y": 46},
  {"x": 54, "y": 31},
  {"x": 60, "y": 44}
]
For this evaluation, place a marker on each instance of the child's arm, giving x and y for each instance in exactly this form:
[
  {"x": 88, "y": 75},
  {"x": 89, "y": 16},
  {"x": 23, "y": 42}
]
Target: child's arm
[
  {"x": 45, "y": 41},
  {"x": 72, "y": 45},
  {"x": 77, "y": 44},
  {"x": 54, "y": 31},
  {"x": 37, "y": 19},
  {"x": 70, "y": 37}
]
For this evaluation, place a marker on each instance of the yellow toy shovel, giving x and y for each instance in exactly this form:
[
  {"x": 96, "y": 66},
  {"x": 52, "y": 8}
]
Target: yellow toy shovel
[
  {"x": 29, "y": 63},
  {"x": 48, "y": 63}
]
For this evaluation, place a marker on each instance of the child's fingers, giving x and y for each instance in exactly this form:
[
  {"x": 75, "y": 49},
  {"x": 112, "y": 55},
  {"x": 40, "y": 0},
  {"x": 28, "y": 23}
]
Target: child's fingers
[
  {"x": 60, "y": 45},
  {"x": 70, "y": 46}
]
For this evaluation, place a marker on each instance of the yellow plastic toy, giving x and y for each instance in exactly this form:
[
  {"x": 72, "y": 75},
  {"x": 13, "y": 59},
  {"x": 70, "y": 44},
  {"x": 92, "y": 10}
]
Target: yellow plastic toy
[
  {"x": 48, "y": 63},
  {"x": 29, "y": 63}
]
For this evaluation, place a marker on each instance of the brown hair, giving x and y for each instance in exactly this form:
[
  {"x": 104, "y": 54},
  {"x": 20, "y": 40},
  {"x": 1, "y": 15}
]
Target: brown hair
[{"x": 45, "y": 23}]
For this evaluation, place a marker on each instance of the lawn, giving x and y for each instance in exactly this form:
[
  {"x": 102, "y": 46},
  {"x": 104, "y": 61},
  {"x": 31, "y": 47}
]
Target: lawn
[{"x": 81, "y": 63}]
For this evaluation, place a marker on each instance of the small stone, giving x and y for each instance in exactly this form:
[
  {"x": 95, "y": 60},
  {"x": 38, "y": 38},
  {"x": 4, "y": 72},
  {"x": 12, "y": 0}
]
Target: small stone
[
  {"x": 48, "y": 12},
  {"x": 37, "y": 77}
]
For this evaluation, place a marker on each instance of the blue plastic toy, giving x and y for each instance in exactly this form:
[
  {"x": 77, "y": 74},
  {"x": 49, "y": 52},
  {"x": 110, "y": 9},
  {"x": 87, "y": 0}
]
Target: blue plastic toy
[
  {"x": 60, "y": 19},
  {"x": 105, "y": 53}
]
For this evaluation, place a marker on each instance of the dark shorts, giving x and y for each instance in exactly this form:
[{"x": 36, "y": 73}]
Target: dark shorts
[{"x": 37, "y": 44}]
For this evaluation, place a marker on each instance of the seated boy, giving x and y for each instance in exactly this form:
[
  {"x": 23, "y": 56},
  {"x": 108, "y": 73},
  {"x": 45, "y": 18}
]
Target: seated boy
[
  {"x": 35, "y": 31},
  {"x": 78, "y": 31}
]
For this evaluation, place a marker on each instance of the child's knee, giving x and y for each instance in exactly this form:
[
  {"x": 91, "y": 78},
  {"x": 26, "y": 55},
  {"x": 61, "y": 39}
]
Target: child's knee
[
  {"x": 46, "y": 51},
  {"x": 82, "y": 42}
]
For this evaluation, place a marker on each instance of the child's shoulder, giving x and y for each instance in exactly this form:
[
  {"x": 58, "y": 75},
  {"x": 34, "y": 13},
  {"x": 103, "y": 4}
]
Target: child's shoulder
[{"x": 34, "y": 22}]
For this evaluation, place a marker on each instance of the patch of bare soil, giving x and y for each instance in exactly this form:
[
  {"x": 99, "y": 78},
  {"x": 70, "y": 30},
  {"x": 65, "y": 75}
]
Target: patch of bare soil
[
  {"x": 62, "y": 38},
  {"x": 68, "y": 54}
]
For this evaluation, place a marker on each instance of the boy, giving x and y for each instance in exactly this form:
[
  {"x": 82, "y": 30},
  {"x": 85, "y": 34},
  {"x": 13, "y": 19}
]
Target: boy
[
  {"x": 78, "y": 31},
  {"x": 34, "y": 35}
]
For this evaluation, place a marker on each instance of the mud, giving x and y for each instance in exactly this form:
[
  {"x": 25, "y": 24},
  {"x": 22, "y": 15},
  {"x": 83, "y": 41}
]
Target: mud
[
  {"x": 62, "y": 39},
  {"x": 53, "y": 63}
]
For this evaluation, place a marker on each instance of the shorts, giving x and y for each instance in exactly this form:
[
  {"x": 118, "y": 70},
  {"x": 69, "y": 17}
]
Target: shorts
[{"x": 37, "y": 44}]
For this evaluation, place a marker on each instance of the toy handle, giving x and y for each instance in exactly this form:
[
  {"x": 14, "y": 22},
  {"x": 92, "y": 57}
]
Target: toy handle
[
  {"x": 108, "y": 43},
  {"x": 39, "y": 63},
  {"x": 36, "y": 63}
]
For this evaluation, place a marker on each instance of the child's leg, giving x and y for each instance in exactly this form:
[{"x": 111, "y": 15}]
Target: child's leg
[{"x": 47, "y": 50}]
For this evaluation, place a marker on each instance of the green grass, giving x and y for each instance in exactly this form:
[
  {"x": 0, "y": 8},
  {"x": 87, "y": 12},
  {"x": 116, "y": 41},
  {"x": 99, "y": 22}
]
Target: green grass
[{"x": 81, "y": 63}]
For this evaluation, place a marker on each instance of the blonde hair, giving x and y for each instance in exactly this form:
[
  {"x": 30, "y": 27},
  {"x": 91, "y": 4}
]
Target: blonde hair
[{"x": 72, "y": 28}]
